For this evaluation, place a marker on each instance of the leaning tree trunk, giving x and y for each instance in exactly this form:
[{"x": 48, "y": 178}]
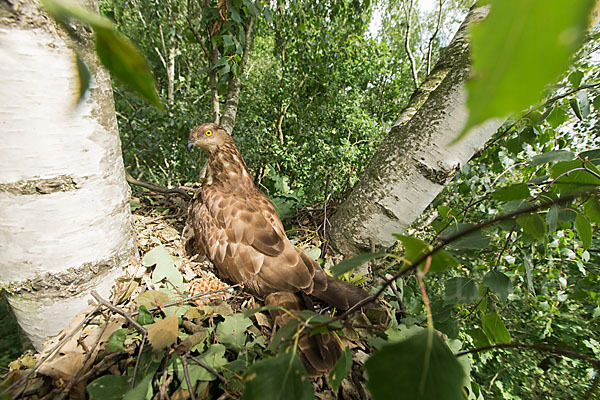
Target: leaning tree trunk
[
  {"x": 417, "y": 158},
  {"x": 65, "y": 222}
]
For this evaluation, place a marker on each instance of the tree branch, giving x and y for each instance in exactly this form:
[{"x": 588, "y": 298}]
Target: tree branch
[
  {"x": 448, "y": 240},
  {"x": 411, "y": 58},
  {"x": 537, "y": 347},
  {"x": 117, "y": 310},
  {"x": 432, "y": 38}
]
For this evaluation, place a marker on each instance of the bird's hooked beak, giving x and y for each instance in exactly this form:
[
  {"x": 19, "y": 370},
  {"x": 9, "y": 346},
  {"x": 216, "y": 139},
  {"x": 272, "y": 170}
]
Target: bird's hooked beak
[{"x": 191, "y": 143}]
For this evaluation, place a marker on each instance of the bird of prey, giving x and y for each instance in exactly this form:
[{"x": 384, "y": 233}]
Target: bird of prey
[{"x": 236, "y": 226}]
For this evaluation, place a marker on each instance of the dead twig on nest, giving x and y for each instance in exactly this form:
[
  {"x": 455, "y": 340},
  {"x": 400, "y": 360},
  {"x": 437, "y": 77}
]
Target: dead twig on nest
[{"x": 159, "y": 189}]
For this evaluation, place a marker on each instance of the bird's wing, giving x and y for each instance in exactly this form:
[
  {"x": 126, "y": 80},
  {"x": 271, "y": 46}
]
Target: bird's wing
[{"x": 245, "y": 238}]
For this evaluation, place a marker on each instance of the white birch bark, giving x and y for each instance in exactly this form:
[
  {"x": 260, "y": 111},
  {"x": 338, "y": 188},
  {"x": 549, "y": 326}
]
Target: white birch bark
[
  {"x": 417, "y": 158},
  {"x": 65, "y": 222}
]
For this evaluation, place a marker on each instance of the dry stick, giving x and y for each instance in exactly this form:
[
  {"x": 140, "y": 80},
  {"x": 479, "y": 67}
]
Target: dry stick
[
  {"x": 51, "y": 352},
  {"x": 106, "y": 304},
  {"x": 187, "y": 377},
  {"x": 159, "y": 189},
  {"x": 98, "y": 367},
  {"x": 137, "y": 361},
  {"x": 208, "y": 368},
  {"x": 85, "y": 360},
  {"x": 163, "y": 386},
  {"x": 446, "y": 241},
  {"x": 187, "y": 299}
]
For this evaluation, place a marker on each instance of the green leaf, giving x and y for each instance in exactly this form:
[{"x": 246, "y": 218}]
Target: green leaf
[
  {"x": 592, "y": 209},
  {"x": 571, "y": 178},
  {"x": 144, "y": 317},
  {"x": 416, "y": 248},
  {"x": 116, "y": 340},
  {"x": 353, "y": 262},
  {"x": 420, "y": 367},
  {"x": 282, "y": 334},
  {"x": 140, "y": 391},
  {"x": 165, "y": 266},
  {"x": 533, "y": 224},
  {"x": 109, "y": 387},
  {"x": 552, "y": 157},
  {"x": 575, "y": 107},
  {"x": 591, "y": 155},
  {"x": 126, "y": 63},
  {"x": 461, "y": 290},
  {"x": 584, "y": 230},
  {"x": 341, "y": 369},
  {"x": 278, "y": 378},
  {"x": 575, "y": 78},
  {"x": 117, "y": 53},
  {"x": 557, "y": 117},
  {"x": 513, "y": 192},
  {"x": 494, "y": 328},
  {"x": 584, "y": 103},
  {"x": 552, "y": 218},
  {"x": 479, "y": 337},
  {"x": 530, "y": 60},
  {"x": 268, "y": 14},
  {"x": 232, "y": 330},
  {"x": 529, "y": 274},
  {"x": 498, "y": 283}
]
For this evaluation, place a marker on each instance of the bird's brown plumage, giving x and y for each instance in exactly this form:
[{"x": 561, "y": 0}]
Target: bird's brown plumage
[{"x": 239, "y": 230}]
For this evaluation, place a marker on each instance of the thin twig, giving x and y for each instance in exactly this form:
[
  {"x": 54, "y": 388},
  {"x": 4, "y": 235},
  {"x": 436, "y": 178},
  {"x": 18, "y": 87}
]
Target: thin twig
[
  {"x": 100, "y": 367},
  {"x": 163, "y": 386},
  {"x": 85, "y": 360},
  {"x": 187, "y": 377},
  {"x": 127, "y": 316},
  {"x": 137, "y": 361}
]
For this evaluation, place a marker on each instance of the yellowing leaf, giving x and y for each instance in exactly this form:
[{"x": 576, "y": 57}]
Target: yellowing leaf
[{"x": 163, "y": 333}]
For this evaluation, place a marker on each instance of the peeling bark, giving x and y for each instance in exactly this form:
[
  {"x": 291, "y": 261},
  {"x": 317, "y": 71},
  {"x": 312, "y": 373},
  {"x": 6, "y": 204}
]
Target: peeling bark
[
  {"x": 417, "y": 158},
  {"x": 65, "y": 222}
]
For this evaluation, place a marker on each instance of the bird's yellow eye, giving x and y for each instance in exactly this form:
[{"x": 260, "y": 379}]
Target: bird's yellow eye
[{"x": 208, "y": 132}]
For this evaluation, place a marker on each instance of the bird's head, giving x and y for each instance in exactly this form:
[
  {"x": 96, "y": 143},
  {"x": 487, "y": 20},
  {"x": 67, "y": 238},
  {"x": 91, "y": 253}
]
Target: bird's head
[{"x": 208, "y": 136}]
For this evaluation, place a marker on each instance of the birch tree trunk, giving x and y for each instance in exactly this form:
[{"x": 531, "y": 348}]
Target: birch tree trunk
[
  {"x": 65, "y": 222},
  {"x": 417, "y": 158}
]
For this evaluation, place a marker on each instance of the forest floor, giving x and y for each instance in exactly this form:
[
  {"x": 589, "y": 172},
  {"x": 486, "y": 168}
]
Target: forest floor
[{"x": 162, "y": 284}]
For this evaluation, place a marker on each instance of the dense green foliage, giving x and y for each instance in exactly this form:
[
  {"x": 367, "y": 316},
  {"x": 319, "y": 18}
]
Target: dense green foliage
[
  {"x": 317, "y": 96},
  {"x": 318, "y": 93}
]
